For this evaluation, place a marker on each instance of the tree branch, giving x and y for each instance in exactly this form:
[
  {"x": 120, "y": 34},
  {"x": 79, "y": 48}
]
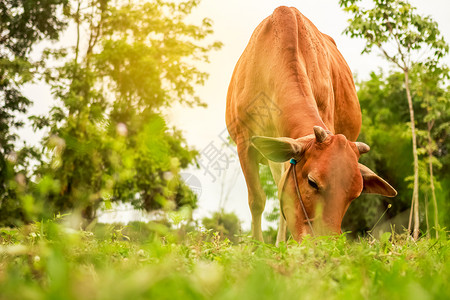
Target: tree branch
[
  {"x": 391, "y": 31},
  {"x": 404, "y": 68}
]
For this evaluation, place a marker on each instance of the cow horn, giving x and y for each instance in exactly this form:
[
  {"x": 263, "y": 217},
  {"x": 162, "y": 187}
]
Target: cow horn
[
  {"x": 362, "y": 148},
  {"x": 320, "y": 133}
]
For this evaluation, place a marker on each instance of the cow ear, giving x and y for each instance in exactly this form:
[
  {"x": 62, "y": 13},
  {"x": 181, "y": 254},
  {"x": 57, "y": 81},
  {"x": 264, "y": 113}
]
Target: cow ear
[
  {"x": 277, "y": 149},
  {"x": 373, "y": 184}
]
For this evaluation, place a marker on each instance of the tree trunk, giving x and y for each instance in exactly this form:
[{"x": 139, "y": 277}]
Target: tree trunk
[
  {"x": 433, "y": 193},
  {"x": 410, "y": 215},
  {"x": 415, "y": 197},
  {"x": 426, "y": 216}
]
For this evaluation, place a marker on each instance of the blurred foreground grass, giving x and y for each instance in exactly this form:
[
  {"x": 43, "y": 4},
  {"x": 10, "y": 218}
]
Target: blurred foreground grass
[{"x": 147, "y": 261}]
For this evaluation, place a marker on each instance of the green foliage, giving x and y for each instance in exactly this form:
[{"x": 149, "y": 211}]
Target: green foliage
[
  {"x": 411, "y": 42},
  {"x": 385, "y": 129},
  {"x": 48, "y": 261},
  {"x": 26, "y": 22},
  {"x": 148, "y": 51},
  {"x": 226, "y": 224},
  {"x": 267, "y": 182},
  {"x": 433, "y": 93},
  {"x": 107, "y": 138},
  {"x": 23, "y": 24}
]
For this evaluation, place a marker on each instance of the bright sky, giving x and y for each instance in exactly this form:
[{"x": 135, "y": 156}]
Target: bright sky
[{"x": 234, "y": 22}]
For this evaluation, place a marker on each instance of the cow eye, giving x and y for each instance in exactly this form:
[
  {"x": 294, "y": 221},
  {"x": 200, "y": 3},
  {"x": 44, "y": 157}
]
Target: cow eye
[{"x": 313, "y": 184}]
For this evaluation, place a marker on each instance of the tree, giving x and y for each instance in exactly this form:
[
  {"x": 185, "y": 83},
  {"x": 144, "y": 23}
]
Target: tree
[
  {"x": 428, "y": 86},
  {"x": 227, "y": 225},
  {"x": 403, "y": 37},
  {"x": 22, "y": 25},
  {"x": 385, "y": 120},
  {"x": 108, "y": 140},
  {"x": 385, "y": 128}
]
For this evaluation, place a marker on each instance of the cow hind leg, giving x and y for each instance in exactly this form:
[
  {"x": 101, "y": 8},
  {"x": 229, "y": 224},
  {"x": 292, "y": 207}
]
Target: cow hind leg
[
  {"x": 249, "y": 159},
  {"x": 277, "y": 170}
]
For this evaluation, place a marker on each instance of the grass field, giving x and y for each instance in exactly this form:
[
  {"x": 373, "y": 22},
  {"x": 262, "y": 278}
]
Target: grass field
[{"x": 48, "y": 261}]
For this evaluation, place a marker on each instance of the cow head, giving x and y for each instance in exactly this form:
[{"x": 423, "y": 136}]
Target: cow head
[{"x": 329, "y": 178}]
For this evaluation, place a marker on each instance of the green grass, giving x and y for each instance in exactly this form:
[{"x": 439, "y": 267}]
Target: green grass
[{"x": 46, "y": 261}]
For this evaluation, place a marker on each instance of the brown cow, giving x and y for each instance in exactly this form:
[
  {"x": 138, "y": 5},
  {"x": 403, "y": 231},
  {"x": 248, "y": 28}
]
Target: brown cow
[{"x": 292, "y": 95}]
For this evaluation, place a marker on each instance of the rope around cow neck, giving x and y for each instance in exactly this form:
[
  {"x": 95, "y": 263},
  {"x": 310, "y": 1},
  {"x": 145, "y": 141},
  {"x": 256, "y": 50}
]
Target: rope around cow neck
[{"x": 293, "y": 162}]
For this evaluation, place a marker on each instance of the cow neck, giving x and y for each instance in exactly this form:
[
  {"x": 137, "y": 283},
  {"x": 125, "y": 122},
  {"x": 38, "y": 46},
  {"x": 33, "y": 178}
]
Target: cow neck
[
  {"x": 300, "y": 123},
  {"x": 302, "y": 131}
]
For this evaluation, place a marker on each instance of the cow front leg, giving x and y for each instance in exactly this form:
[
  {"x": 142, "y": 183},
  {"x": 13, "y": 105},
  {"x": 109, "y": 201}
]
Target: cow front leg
[
  {"x": 281, "y": 235},
  {"x": 257, "y": 202},
  {"x": 249, "y": 159}
]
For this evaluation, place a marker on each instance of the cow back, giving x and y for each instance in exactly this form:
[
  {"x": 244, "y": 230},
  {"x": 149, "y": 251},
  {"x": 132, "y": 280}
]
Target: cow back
[{"x": 290, "y": 78}]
